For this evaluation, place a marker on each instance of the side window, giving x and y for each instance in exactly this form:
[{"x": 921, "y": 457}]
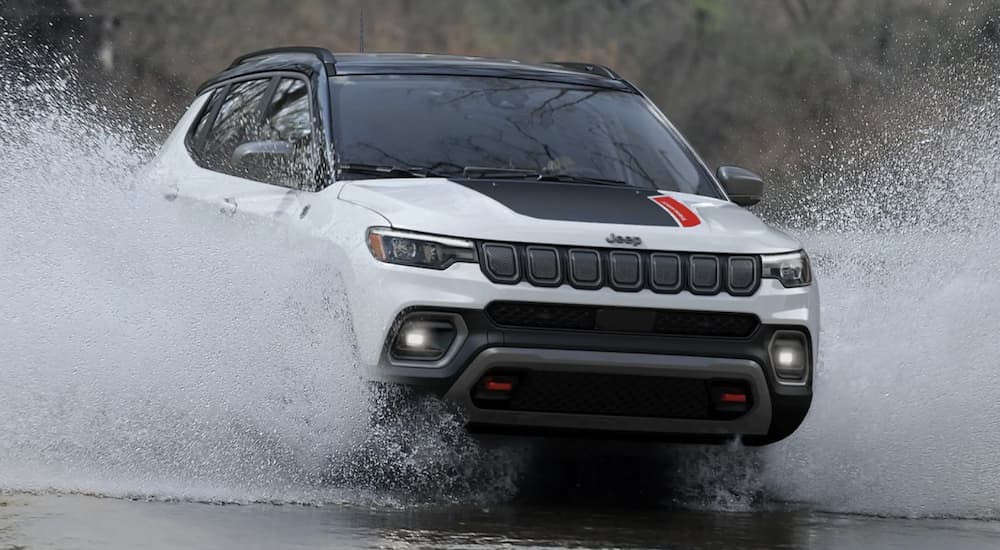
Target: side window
[
  {"x": 288, "y": 120},
  {"x": 263, "y": 131},
  {"x": 238, "y": 123},
  {"x": 288, "y": 113}
]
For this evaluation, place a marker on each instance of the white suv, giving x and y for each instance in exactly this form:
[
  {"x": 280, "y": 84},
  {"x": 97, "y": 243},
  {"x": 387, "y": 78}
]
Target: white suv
[{"x": 536, "y": 243}]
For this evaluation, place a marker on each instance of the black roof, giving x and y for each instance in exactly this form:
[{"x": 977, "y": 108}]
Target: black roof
[{"x": 311, "y": 60}]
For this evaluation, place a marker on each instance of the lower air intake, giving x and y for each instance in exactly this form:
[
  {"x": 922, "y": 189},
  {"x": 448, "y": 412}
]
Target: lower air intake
[
  {"x": 665, "y": 322},
  {"x": 608, "y": 394}
]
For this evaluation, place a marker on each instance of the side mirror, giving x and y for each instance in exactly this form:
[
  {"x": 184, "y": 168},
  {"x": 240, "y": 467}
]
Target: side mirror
[
  {"x": 743, "y": 186},
  {"x": 261, "y": 150}
]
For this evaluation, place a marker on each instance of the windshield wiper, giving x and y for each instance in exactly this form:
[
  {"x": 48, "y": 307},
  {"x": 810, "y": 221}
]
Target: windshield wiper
[
  {"x": 385, "y": 171},
  {"x": 535, "y": 175}
]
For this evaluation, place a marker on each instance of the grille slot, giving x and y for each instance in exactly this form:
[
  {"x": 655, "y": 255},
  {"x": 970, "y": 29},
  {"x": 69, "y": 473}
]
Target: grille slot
[
  {"x": 664, "y": 322},
  {"x": 543, "y": 266},
  {"x": 665, "y": 270},
  {"x": 626, "y": 270},
  {"x": 500, "y": 263},
  {"x": 705, "y": 276},
  {"x": 742, "y": 275},
  {"x": 585, "y": 268},
  {"x": 622, "y": 270},
  {"x": 609, "y": 394}
]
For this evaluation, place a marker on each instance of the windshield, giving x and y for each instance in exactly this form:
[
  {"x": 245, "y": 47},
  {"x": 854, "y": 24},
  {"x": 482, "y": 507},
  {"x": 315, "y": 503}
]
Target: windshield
[{"x": 464, "y": 126}]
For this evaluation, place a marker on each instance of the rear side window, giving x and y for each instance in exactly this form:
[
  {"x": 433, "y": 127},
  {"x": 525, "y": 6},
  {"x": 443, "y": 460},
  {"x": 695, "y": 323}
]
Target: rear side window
[{"x": 196, "y": 138}]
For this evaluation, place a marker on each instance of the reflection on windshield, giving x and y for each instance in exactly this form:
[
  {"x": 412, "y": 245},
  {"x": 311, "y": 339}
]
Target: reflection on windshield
[{"x": 443, "y": 124}]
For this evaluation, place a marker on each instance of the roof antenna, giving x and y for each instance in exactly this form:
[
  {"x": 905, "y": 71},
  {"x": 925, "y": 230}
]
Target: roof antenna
[{"x": 361, "y": 28}]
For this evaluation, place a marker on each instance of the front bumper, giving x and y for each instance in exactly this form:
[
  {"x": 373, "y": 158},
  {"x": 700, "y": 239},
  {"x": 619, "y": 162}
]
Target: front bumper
[{"x": 778, "y": 408}]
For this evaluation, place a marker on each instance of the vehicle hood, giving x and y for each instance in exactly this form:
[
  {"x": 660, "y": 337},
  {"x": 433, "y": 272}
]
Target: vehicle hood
[{"x": 566, "y": 214}]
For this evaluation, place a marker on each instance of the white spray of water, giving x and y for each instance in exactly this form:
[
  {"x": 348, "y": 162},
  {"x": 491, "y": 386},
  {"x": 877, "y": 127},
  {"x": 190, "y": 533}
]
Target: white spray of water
[
  {"x": 148, "y": 348},
  {"x": 156, "y": 350},
  {"x": 906, "y": 415},
  {"x": 904, "y": 233}
]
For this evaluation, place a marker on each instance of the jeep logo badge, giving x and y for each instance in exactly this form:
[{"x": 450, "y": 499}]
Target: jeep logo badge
[{"x": 619, "y": 239}]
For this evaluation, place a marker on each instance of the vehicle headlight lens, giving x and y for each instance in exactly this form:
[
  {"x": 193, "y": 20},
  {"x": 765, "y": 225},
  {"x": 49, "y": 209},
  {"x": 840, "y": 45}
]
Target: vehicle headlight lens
[
  {"x": 791, "y": 269},
  {"x": 419, "y": 250}
]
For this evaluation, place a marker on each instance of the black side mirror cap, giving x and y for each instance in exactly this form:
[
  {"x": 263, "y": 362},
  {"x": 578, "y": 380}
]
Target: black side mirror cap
[{"x": 743, "y": 186}]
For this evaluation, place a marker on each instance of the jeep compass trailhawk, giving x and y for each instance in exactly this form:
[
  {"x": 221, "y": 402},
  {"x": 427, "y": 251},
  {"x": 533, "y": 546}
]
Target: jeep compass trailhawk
[{"x": 535, "y": 243}]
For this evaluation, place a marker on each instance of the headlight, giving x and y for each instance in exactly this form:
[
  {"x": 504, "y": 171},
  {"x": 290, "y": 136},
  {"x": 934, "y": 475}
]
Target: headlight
[
  {"x": 418, "y": 250},
  {"x": 791, "y": 269}
]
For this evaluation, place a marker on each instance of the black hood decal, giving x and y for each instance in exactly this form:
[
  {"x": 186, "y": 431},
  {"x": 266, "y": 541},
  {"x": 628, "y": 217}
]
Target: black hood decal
[{"x": 575, "y": 202}]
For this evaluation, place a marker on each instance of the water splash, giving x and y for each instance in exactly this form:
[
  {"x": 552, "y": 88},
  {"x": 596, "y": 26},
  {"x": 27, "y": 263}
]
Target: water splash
[
  {"x": 904, "y": 235},
  {"x": 155, "y": 350},
  {"x": 906, "y": 419}
]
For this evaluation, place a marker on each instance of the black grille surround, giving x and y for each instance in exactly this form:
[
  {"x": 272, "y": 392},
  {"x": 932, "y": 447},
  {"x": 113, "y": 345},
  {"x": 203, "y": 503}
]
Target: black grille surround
[
  {"x": 663, "y": 322},
  {"x": 623, "y": 270}
]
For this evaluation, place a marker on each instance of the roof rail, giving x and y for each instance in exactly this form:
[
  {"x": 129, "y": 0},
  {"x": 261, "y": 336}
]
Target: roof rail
[
  {"x": 322, "y": 54},
  {"x": 590, "y": 68}
]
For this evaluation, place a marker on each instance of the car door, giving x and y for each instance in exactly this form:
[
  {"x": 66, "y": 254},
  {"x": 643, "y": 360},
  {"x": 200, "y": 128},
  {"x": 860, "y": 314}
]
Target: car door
[{"x": 254, "y": 146}]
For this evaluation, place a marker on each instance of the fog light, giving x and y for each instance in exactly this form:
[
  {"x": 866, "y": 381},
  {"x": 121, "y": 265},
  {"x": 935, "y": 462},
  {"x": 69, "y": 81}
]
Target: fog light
[
  {"x": 790, "y": 355},
  {"x": 415, "y": 338},
  {"x": 423, "y": 339}
]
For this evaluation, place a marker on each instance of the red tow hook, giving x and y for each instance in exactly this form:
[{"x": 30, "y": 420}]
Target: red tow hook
[
  {"x": 730, "y": 398},
  {"x": 734, "y": 398},
  {"x": 495, "y": 387}
]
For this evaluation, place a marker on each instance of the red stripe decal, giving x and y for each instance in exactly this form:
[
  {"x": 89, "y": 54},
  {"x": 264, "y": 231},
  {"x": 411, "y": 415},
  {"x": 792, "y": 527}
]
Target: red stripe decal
[{"x": 684, "y": 215}]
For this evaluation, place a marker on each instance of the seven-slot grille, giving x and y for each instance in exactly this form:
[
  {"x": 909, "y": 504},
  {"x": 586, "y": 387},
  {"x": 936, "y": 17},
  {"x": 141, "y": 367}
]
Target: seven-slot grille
[{"x": 623, "y": 270}]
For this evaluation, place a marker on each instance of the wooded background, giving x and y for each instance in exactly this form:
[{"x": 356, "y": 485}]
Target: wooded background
[{"x": 766, "y": 84}]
